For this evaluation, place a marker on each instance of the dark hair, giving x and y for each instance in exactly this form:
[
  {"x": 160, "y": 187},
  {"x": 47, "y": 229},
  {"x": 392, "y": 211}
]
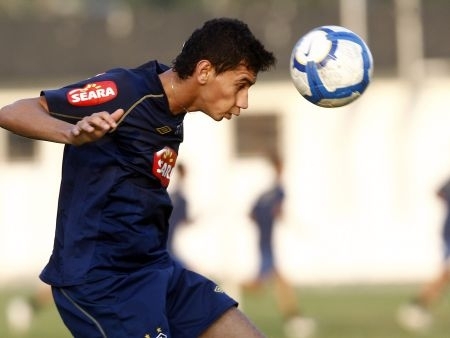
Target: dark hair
[{"x": 226, "y": 43}]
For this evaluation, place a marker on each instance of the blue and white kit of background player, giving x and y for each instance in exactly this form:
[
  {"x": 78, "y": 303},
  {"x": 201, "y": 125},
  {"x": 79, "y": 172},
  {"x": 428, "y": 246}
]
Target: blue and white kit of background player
[{"x": 110, "y": 271}]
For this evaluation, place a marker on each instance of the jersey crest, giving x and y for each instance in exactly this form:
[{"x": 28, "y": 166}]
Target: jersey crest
[
  {"x": 92, "y": 94},
  {"x": 163, "y": 163}
]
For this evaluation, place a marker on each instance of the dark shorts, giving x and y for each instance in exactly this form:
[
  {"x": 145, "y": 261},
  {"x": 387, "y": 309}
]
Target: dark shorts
[{"x": 172, "y": 303}]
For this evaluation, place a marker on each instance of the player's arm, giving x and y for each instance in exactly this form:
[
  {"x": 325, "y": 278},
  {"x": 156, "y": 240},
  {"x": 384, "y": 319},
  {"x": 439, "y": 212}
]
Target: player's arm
[{"x": 30, "y": 118}]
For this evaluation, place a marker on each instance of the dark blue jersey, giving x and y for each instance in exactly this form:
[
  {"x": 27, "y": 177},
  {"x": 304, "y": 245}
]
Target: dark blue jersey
[
  {"x": 264, "y": 213},
  {"x": 113, "y": 206}
]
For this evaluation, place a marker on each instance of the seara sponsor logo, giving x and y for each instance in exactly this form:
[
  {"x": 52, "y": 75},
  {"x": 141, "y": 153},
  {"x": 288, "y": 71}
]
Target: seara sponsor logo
[{"x": 93, "y": 94}]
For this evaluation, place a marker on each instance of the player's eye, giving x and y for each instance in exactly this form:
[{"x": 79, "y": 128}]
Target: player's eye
[{"x": 242, "y": 85}]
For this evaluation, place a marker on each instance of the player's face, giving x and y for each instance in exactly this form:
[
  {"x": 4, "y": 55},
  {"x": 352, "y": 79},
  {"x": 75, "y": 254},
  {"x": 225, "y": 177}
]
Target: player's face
[{"x": 226, "y": 94}]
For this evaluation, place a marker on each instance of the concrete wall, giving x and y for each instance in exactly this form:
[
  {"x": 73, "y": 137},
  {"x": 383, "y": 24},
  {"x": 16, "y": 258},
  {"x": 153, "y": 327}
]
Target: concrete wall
[{"x": 360, "y": 182}]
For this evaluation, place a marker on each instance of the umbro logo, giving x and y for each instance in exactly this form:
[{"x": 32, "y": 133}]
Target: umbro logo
[
  {"x": 218, "y": 289},
  {"x": 164, "y": 130}
]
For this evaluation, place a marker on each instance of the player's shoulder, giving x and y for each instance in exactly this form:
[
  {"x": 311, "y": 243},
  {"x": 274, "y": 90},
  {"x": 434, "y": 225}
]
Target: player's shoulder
[
  {"x": 145, "y": 75},
  {"x": 151, "y": 67}
]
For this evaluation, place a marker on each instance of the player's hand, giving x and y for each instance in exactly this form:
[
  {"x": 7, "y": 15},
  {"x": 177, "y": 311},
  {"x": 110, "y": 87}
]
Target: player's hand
[{"x": 95, "y": 126}]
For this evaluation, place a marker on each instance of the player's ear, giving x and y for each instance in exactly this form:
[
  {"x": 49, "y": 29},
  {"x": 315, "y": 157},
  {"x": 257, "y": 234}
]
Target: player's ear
[{"x": 203, "y": 70}]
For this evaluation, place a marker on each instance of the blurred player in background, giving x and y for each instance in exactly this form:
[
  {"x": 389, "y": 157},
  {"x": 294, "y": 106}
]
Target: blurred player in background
[
  {"x": 265, "y": 213},
  {"x": 416, "y": 315},
  {"x": 180, "y": 212},
  {"x": 21, "y": 310},
  {"x": 110, "y": 271}
]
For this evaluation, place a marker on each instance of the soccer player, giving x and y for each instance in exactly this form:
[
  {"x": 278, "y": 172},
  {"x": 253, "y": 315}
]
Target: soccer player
[
  {"x": 110, "y": 271},
  {"x": 266, "y": 210},
  {"x": 416, "y": 316}
]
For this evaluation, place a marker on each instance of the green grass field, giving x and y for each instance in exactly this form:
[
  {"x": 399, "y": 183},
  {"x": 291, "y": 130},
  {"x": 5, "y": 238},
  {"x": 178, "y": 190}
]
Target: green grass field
[
  {"x": 341, "y": 312},
  {"x": 349, "y": 312}
]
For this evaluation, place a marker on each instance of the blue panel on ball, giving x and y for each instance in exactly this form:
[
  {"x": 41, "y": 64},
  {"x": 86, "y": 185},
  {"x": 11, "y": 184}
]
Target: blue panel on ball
[
  {"x": 315, "y": 83},
  {"x": 297, "y": 65},
  {"x": 319, "y": 91}
]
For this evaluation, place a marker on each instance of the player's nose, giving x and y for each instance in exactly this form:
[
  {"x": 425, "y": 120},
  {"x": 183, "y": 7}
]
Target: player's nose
[{"x": 242, "y": 100}]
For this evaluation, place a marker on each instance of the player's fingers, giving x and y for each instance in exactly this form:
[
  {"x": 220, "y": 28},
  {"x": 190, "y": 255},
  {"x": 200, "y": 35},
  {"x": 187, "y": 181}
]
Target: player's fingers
[
  {"x": 94, "y": 126},
  {"x": 82, "y": 134},
  {"x": 75, "y": 130},
  {"x": 105, "y": 120},
  {"x": 117, "y": 115},
  {"x": 101, "y": 121}
]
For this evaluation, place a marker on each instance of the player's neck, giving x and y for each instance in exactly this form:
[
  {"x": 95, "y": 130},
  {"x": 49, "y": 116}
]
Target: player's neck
[{"x": 173, "y": 88}]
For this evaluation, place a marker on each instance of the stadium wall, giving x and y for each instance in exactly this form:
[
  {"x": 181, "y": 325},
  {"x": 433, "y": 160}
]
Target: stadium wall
[{"x": 360, "y": 180}]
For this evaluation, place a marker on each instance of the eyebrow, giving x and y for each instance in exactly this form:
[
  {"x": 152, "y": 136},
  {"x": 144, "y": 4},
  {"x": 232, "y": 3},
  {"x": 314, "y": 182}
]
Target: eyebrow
[{"x": 248, "y": 81}]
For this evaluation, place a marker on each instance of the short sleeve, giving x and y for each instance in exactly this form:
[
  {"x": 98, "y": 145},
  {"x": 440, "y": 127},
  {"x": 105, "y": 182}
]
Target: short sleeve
[{"x": 105, "y": 92}]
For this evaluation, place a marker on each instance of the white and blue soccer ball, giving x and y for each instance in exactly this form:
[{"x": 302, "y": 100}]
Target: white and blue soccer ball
[{"x": 331, "y": 66}]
